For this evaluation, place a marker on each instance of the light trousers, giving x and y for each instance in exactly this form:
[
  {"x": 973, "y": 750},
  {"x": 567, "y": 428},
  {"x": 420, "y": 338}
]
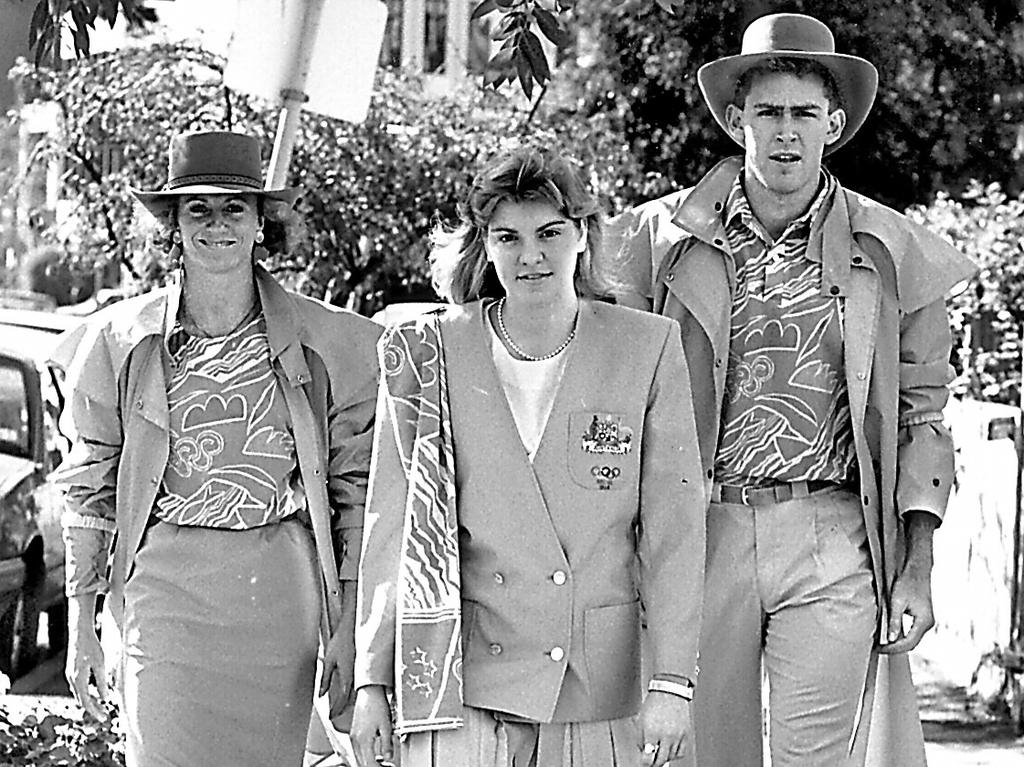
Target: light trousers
[
  {"x": 482, "y": 741},
  {"x": 789, "y": 596}
]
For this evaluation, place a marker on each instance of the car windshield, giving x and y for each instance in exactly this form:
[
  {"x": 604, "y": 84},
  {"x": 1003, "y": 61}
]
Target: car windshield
[{"x": 14, "y": 423}]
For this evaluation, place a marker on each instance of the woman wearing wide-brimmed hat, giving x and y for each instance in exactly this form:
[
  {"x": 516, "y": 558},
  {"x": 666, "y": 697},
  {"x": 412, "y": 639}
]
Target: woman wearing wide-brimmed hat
[{"x": 222, "y": 438}]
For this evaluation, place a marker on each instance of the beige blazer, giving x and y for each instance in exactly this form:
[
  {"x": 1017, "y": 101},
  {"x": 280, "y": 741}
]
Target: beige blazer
[{"x": 562, "y": 556}]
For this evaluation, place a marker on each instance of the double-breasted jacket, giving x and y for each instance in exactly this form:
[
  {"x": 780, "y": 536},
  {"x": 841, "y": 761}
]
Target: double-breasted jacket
[{"x": 559, "y": 556}]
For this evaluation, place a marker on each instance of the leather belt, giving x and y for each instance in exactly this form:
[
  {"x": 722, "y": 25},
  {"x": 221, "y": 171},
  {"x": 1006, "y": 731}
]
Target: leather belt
[{"x": 781, "y": 492}]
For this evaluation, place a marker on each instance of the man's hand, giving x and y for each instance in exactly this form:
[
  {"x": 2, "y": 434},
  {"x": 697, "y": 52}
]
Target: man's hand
[
  {"x": 371, "y": 727},
  {"x": 664, "y": 728},
  {"x": 336, "y": 678},
  {"x": 912, "y": 591}
]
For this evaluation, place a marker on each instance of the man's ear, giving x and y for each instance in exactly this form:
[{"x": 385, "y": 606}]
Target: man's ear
[
  {"x": 836, "y": 124},
  {"x": 734, "y": 119}
]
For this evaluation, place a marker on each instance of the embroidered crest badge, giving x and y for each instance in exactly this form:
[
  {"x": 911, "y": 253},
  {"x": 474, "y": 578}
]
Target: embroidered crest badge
[{"x": 606, "y": 435}]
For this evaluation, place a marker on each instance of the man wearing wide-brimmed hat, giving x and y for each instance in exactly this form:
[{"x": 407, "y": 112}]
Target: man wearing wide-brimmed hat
[{"x": 817, "y": 340}]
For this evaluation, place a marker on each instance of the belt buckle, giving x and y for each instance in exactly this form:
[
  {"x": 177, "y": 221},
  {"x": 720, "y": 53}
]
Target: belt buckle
[{"x": 745, "y": 495}]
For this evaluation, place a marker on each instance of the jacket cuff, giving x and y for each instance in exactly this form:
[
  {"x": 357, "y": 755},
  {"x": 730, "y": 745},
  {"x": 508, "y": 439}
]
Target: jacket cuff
[
  {"x": 86, "y": 552},
  {"x": 348, "y": 560}
]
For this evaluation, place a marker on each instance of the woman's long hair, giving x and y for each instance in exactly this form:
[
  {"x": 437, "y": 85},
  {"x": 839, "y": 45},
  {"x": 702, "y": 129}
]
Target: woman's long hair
[{"x": 459, "y": 268}]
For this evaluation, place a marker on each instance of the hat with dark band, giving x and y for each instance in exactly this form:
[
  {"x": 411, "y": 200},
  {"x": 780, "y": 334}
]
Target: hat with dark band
[
  {"x": 792, "y": 35},
  {"x": 211, "y": 162}
]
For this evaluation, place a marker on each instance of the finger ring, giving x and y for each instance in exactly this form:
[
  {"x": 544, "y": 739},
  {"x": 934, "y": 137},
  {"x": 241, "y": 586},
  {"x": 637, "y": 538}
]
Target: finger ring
[{"x": 650, "y": 748}]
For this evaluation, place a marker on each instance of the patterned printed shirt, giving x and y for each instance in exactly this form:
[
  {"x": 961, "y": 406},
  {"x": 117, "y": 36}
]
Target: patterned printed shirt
[
  {"x": 786, "y": 415},
  {"x": 232, "y": 458}
]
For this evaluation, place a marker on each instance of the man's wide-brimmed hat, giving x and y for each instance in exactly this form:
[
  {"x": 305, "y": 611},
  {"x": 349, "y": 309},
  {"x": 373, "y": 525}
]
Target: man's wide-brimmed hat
[
  {"x": 792, "y": 35},
  {"x": 211, "y": 162}
]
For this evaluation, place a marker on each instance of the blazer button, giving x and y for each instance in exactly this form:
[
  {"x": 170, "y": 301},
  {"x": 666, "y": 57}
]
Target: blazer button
[
  {"x": 559, "y": 578},
  {"x": 557, "y": 653},
  {"x": 495, "y": 649},
  {"x": 499, "y": 578}
]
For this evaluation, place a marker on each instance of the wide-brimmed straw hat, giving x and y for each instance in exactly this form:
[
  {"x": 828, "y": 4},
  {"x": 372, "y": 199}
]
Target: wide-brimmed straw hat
[
  {"x": 792, "y": 35},
  {"x": 211, "y": 162}
]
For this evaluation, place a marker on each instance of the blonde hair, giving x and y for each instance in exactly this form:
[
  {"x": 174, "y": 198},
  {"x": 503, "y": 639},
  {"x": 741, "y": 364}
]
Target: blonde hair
[{"x": 459, "y": 268}]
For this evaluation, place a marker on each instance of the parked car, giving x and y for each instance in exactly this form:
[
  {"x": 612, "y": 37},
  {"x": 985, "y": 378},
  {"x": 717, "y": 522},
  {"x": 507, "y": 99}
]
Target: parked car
[{"x": 31, "y": 447}]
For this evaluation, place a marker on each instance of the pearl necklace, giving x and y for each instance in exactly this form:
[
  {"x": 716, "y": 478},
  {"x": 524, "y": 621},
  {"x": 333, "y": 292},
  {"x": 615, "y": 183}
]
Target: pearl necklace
[{"x": 530, "y": 357}]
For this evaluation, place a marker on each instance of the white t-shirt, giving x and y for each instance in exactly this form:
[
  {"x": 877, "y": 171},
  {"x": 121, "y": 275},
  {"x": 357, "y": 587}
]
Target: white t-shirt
[{"x": 530, "y": 387}]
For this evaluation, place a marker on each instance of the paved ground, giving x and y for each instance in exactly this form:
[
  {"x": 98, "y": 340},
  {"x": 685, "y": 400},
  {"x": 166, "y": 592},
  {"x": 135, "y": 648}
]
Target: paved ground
[{"x": 957, "y": 733}]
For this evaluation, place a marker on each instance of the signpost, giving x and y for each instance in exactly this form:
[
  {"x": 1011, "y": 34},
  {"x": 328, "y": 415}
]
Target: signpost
[{"x": 319, "y": 55}]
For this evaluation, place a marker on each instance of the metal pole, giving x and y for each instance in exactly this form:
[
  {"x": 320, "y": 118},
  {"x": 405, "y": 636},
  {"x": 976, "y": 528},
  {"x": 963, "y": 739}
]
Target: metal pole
[{"x": 293, "y": 96}]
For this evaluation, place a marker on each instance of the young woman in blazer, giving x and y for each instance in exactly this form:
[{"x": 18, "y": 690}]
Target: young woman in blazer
[{"x": 536, "y": 497}]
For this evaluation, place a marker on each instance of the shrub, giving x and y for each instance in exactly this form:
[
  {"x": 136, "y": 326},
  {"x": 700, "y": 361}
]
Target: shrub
[
  {"x": 54, "y": 740},
  {"x": 988, "y": 315},
  {"x": 372, "y": 189}
]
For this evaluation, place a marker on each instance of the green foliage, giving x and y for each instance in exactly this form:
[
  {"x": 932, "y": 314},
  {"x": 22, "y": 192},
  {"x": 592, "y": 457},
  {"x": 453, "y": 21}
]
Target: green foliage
[
  {"x": 988, "y": 315},
  {"x": 373, "y": 189},
  {"x": 55, "y": 740},
  {"x": 948, "y": 72},
  {"x": 79, "y": 17}
]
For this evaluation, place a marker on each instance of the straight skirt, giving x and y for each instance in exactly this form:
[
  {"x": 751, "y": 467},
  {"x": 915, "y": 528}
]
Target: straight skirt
[
  {"x": 220, "y": 644},
  {"x": 485, "y": 742}
]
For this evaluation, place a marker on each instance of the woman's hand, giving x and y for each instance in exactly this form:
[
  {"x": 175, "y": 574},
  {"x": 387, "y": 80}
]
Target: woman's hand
[
  {"x": 336, "y": 678},
  {"x": 664, "y": 728},
  {"x": 85, "y": 658},
  {"x": 371, "y": 727}
]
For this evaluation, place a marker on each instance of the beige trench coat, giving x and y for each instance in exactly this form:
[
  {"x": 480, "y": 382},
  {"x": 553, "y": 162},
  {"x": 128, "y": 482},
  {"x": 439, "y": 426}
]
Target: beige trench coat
[
  {"x": 117, "y": 415},
  {"x": 893, "y": 274}
]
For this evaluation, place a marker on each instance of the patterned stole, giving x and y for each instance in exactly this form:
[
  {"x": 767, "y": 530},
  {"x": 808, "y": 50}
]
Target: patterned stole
[{"x": 428, "y": 640}]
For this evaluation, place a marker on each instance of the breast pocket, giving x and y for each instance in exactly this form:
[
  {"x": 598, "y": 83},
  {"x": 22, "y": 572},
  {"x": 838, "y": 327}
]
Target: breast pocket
[{"x": 603, "y": 450}]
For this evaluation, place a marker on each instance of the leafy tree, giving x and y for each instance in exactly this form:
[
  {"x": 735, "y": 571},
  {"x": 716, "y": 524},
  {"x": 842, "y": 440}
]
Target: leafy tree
[
  {"x": 941, "y": 116},
  {"x": 372, "y": 189},
  {"x": 988, "y": 315},
  {"x": 51, "y": 17}
]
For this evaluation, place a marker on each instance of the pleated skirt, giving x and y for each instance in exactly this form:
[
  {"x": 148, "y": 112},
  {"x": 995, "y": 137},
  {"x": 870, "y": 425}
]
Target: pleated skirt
[
  {"x": 219, "y": 647},
  {"x": 485, "y": 742}
]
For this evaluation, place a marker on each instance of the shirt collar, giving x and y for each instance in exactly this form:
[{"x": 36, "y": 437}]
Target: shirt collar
[
  {"x": 284, "y": 325},
  {"x": 738, "y": 211}
]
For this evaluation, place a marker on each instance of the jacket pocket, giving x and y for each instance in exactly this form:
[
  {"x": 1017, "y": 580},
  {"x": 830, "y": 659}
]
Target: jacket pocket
[
  {"x": 602, "y": 450},
  {"x": 611, "y": 646}
]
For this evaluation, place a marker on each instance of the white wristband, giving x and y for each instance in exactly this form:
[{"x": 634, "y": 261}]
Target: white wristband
[{"x": 672, "y": 688}]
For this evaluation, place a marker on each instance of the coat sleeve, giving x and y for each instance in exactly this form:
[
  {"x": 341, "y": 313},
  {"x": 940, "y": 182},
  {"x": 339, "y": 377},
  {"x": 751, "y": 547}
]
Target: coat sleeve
[
  {"x": 673, "y": 503},
  {"x": 381, "y": 554},
  {"x": 925, "y": 448},
  {"x": 91, "y": 420},
  {"x": 350, "y": 441}
]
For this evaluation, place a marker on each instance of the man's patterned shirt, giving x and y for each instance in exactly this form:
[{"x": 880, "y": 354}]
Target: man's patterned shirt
[{"x": 786, "y": 415}]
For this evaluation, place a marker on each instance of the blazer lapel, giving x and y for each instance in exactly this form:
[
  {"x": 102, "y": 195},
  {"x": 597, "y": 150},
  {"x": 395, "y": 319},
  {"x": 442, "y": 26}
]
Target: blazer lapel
[{"x": 473, "y": 382}]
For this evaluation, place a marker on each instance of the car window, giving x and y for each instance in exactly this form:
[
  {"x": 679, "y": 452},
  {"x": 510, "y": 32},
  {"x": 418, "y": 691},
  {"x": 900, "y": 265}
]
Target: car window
[{"x": 14, "y": 423}]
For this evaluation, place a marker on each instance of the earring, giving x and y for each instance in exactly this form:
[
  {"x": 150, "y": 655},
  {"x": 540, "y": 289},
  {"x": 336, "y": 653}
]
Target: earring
[
  {"x": 174, "y": 258},
  {"x": 259, "y": 236},
  {"x": 176, "y": 237}
]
